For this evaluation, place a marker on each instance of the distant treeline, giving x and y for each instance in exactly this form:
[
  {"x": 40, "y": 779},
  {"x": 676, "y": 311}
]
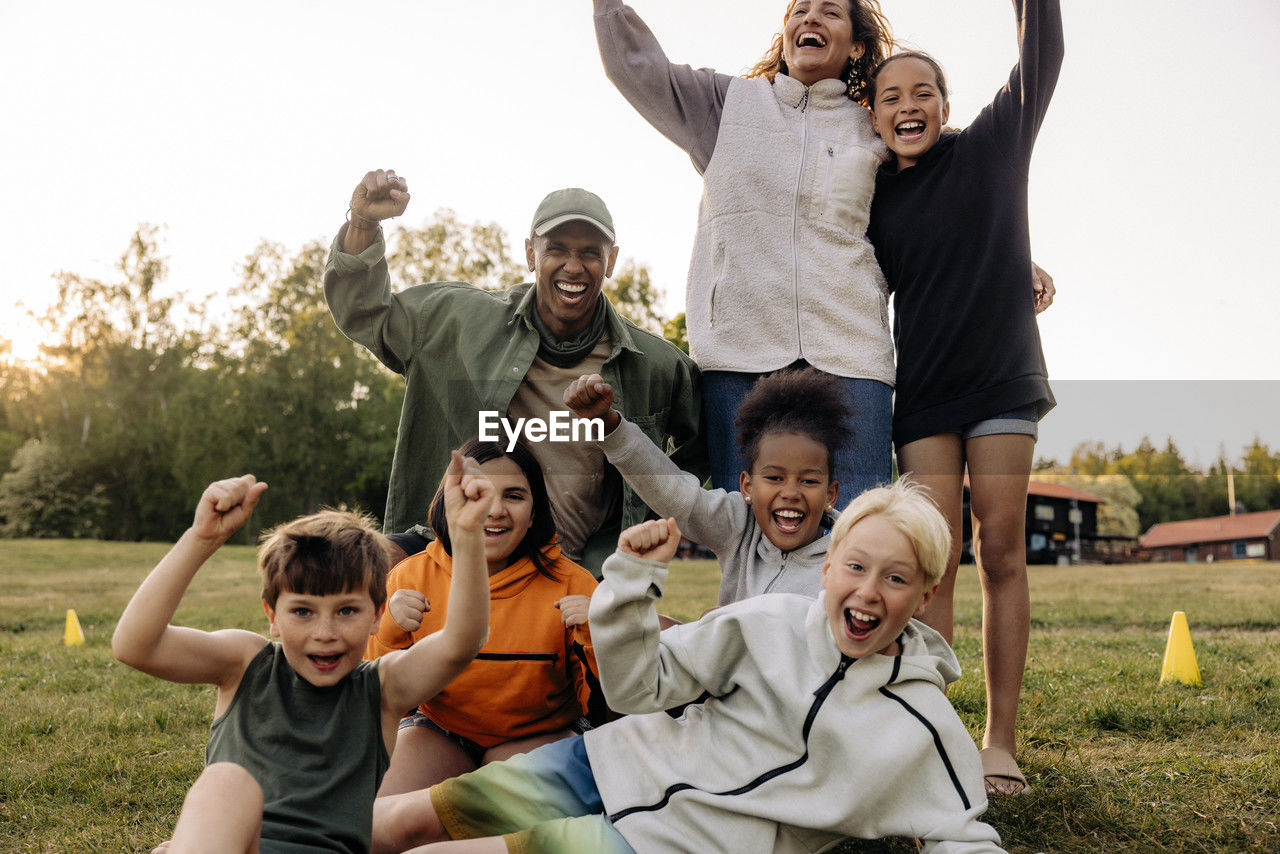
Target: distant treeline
[
  {"x": 1149, "y": 485},
  {"x": 143, "y": 396}
]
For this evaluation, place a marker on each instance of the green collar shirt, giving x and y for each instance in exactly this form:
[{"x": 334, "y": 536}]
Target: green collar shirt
[{"x": 462, "y": 350}]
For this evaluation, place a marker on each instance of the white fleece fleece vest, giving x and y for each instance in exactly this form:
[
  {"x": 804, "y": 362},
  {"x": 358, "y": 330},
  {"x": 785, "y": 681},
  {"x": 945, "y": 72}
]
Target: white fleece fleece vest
[{"x": 781, "y": 268}]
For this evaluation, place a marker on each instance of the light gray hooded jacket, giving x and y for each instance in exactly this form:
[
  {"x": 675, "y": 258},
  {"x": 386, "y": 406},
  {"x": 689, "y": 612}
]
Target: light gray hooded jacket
[{"x": 794, "y": 748}]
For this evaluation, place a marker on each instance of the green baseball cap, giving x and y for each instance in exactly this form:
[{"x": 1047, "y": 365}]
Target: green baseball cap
[{"x": 569, "y": 204}]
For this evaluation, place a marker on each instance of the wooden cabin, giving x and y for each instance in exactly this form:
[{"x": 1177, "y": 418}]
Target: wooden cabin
[
  {"x": 1242, "y": 536},
  {"x": 1062, "y": 526}
]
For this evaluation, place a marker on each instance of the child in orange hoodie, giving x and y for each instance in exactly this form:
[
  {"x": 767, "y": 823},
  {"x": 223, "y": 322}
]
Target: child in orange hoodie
[{"x": 531, "y": 683}]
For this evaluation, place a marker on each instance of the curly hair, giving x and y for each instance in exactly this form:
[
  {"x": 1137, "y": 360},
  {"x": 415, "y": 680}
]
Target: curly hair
[
  {"x": 870, "y": 27},
  {"x": 333, "y": 551},
  {"x": 542, "y": 527},
  {"x": 805, "y": 401}
]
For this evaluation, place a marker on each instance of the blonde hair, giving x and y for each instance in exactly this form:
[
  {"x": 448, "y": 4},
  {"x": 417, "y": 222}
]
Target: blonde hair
[
  {"x": 333, "y": 551},
  {"x": 869, "y": 26},
  {"x": 907, "y": 506}
]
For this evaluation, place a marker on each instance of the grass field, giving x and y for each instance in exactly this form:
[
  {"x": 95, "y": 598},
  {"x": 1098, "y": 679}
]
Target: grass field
[{"x": 96, "y": 757}]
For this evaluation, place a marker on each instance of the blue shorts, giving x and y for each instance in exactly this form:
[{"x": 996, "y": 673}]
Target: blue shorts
[
  {"x": 541, "y": 802},
  {"x": 1020, "y": 421},
  {"x": 474, "y": 752}
]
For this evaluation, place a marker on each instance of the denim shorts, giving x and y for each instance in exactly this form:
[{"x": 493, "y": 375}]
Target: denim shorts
[
  {"x": 473, "y": 751},
  {"x": 1020, "y": 421},
  {"x": 470, "y": 749}
]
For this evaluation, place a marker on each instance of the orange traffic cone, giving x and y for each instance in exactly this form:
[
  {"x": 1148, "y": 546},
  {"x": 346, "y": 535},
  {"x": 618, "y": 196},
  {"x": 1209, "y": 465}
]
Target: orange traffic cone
[
  {"x": 1179, "y": 654},
  {"x": 73, "y": 636}
]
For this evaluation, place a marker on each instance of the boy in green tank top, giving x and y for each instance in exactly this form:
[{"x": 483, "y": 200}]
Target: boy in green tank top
[{"x": 303, "y": 729}]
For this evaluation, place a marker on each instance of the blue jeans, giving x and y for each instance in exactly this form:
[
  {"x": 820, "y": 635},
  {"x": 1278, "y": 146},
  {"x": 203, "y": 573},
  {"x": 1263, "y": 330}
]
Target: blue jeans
[{"x": 861, "y": 463}]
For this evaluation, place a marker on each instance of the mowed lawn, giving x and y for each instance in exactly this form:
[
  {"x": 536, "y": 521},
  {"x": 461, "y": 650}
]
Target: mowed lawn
[{"x": 96, "y": 757}]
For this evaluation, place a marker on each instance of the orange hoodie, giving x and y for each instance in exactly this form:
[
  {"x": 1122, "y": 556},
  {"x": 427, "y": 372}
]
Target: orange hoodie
[{"x": 529, "y": 677}]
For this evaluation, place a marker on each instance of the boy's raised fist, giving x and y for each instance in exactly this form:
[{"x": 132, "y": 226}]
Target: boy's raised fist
[{"x": 225, "y": 506}]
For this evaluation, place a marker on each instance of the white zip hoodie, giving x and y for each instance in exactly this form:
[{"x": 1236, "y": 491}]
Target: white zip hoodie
[
  {"x": 794, "y": 748},
  {"x": 781, "y": 269}
]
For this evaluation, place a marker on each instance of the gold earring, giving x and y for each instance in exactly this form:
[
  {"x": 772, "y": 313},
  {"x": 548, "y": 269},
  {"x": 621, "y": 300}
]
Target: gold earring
[{"x": 852, "y": 78}]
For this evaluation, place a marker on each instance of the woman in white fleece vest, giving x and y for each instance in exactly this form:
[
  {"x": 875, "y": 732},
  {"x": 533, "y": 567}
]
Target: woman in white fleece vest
[{"x": 782, "y": 271}]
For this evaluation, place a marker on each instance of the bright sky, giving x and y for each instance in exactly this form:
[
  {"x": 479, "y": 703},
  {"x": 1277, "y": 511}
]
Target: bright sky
[{"x": 233, "y": 122}]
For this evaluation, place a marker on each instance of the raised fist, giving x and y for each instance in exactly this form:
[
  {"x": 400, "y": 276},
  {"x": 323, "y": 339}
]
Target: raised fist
[
  {"x": 407, "y": 607},
  {"x": 381, "y": 195}
]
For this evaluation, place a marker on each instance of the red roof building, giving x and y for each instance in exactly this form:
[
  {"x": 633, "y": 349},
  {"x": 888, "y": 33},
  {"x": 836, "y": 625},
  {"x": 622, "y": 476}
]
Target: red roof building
[
  {"x": 1238, "y": 537},
  {"x": 1045, "y": 489}
]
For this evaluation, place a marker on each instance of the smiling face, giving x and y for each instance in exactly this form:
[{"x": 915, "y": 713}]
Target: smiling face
[
  {"x": 910, "y": 108},
  {"x": 873, "y": 585},
  {"x": 788, "y": 487},
  {"x": 323, "y": 636},
  {"x": 570, "y": 263},
  {"x": 511, "y": 514},
  {"x": 817, "y": 40}
]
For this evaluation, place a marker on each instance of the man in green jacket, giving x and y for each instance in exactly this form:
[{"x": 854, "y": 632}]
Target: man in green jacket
[{"x": 472, "y": 358}]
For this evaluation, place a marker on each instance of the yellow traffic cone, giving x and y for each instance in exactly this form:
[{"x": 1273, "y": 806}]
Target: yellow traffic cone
[
  {"x": 73, "y": 635},
  {"x": 1179, "y": 654}
]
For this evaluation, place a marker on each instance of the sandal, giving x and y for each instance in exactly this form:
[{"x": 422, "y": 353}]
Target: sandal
[{"x": 999, "y": 767}]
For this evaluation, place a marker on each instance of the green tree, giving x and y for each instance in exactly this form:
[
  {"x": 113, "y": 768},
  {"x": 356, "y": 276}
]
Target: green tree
[
  {"x": 634, "y": 295},
  {"x": 1170, "y": 489},
  {"x": 307, "y": 410},
  {"x": 675, "y": 331},
  {"x": 117, "y": 359},
  {"x": 1257, "y": 478},
  {"x": 445, "y": 249},
  {"x": 134, "y": 410},
  {"x": 41, "y": 496},
  {"x": 1093, "y": 458},
  {"x": 15, "y": 405}
]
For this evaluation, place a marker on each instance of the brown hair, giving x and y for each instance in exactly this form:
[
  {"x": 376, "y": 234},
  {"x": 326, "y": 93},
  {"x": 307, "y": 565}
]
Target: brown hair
[
  {"x": 906, "y": 54},
  {"x": 542, "y": 527},
  {"x": 870, "y": 27},
  {"x": 333, "y": 551}
]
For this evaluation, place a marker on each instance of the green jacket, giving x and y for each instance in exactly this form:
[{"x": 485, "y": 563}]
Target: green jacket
[{"x": 462, "y": 349}]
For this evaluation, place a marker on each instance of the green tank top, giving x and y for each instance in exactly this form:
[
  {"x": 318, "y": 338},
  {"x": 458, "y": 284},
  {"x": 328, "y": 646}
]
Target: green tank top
[{"x": 317, "y": 753}]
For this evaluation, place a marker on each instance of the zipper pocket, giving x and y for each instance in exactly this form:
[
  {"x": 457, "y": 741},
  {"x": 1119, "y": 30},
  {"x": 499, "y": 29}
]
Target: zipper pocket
[
  {"x": 717, "y": 273},
  {"x": 826, "y": 181}
]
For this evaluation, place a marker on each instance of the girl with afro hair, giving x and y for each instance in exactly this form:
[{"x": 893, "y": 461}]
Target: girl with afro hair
[{"x": 771, "y": 537}]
